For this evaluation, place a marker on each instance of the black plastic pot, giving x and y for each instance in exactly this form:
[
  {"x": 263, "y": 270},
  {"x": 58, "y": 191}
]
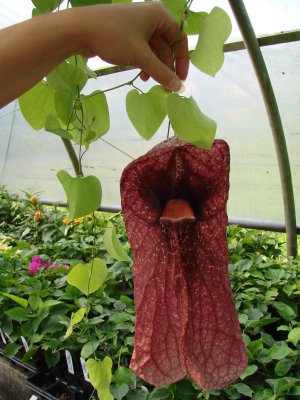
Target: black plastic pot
[
  {"x": 55, "y": 383},
  {"x": 34, "y": 365}
]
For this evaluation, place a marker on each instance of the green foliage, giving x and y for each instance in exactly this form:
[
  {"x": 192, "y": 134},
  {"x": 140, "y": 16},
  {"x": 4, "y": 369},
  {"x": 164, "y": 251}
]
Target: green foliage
[
  {"x": 190, "y": 124},
  {"x": 147, "y": 111},
  {"x": 36, "y": 104},
  {"x": 214, "y": 30},
  {"x": 55, "y": 315},
  {"x": 100, "y": 375},
  {"x": 88, "y": 278},
  {"x": 83, "y": 194},
  {"x": 113, "y": 245}
]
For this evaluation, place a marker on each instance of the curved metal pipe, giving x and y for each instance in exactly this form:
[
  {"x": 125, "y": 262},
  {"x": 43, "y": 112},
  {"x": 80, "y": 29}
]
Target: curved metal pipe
[{"x": 263, "y": 78}]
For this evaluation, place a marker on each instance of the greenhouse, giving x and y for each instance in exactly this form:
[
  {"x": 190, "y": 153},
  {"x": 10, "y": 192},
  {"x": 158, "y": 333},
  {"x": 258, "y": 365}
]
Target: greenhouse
[{"x": 149, "y": 238}]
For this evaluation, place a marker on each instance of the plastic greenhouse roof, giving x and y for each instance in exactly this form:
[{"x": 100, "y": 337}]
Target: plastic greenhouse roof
[{"x": 29, "y": 160}]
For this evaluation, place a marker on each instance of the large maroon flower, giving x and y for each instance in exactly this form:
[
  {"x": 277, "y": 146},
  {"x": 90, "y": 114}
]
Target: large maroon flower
[{"x": 174, "y": 202}]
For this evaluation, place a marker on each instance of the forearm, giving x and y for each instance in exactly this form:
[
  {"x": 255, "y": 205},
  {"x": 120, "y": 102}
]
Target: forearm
[
  {"x": 134, "y": 34},
  {"x": 31, "y": 49}
]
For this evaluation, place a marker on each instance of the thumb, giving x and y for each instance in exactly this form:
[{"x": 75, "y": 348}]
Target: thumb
[{"x": 154, "y": 67}]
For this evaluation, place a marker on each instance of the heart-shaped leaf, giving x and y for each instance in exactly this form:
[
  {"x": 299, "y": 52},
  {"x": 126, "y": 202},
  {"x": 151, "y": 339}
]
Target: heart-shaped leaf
[
  {"x": 83, "y": 193},
  {"x": 190, "y": 123},
  {"x": 147, "y": 111},
  {"x": 100, "y": 376},
  {"x": 88, "y": 277},
  {"x": 213, "y": 33},
  {"x": 96, "y": 113},
  {"x": 36, "y": 104}
]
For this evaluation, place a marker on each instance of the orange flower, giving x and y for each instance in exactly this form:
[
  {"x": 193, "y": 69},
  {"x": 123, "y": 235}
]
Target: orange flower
[
  {"x": 78, "y": 220},
  {"x": 66, "y": 220},
  {"x": 37, "y": 216},
  {"x": 33, "y": 199}
]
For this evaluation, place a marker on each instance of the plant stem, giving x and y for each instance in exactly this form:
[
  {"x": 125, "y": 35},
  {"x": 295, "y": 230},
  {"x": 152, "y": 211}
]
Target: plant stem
[{"x": 129, "y": 83}]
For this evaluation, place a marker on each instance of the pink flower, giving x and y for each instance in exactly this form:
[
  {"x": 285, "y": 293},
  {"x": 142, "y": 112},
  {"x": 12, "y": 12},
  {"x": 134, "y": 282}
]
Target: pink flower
[
  {"x": 48, "y": 264},
  {"x": 66, "y": 266},
  {"x": 37, "y": 260},
  {"x": 33, "y": 267},
  {"x": 55, "y": 266}
]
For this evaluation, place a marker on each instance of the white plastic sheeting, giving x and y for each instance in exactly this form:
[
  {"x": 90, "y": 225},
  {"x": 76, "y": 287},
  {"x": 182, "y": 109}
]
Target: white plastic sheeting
[{"x": 29, "y": 160}]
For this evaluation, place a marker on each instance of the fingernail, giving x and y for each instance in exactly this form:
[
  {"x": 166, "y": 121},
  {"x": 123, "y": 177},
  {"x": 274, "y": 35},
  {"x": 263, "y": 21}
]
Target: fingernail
[{"x": 175, "y": 85}]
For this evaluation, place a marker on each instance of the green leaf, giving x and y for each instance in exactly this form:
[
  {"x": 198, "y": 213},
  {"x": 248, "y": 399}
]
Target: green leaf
[
  {"x": 124, "y": 375},
  {"x": 29, "y": 354},
  {"x": 147, "y": 111},
  {"x": 75, "y": 319},
  {"x": 285, "y": 310},
  {"x": 190, "y": 123},
  {"x": 100, "y": 376},
  {"x": 81, "y": 62},
  {"x": 250, "y": 370},
  {"x": 159, "y": 394},
  {"x": 11, "y": 349},
  {"x": 119, "y": 391},
  {"x": 283, "y": 366},
  {"x": 52, "y": 125},
  {"x": 89, "y": 348},
  {"x": 83, "y": 193},
  {"x": 64, "y": 104},
  {"x": 279, "y": 352},
  {"x": 49, "y": 303},
  {"x": 17, "y": 314},
  {"x": 244, "y": 389},
  {"x": 34, "y": 301},
  {"x": 19, "y": 300},
  {"x": 113, "y": 245},
  {"x": 78, "y": 3},
  {"x": 193, "y": 22},
  {"x": 294, "y": 336},
  {"x": 185, "y": 387},
  {"x": 175, "y": 8},
  {"x": 213, "y": 33},
  {"x": 67, "y": 77},
  {"x": 96, "y": 115},
  {"x": 36, "y": 104},
  {"x": 88, "y": 277},
  {"x": 45, "y": 6},
  {"x": 137, "y": 395}
]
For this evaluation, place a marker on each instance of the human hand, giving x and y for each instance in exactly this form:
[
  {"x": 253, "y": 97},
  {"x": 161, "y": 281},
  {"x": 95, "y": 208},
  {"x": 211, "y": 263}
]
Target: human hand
[{"x": 142, "y": 35}]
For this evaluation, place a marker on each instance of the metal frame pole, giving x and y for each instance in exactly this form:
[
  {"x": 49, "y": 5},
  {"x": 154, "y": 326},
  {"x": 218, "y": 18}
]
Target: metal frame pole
[{"x": 263, "y": 78}]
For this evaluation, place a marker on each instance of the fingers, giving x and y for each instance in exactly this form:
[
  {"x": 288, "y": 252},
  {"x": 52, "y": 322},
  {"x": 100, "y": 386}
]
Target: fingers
[
  {"x": 152, "y": 66},
  {"x": 165, "y": 53},
  {"x": 182, "y": 58}
]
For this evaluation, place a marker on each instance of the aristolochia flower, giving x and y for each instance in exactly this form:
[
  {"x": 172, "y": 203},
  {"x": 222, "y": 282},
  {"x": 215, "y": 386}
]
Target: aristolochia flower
[{"x": 174, "y": 202}]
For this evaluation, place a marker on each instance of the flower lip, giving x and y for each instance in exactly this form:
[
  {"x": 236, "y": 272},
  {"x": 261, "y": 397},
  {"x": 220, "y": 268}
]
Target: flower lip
[{"x": 178, "y": 210}]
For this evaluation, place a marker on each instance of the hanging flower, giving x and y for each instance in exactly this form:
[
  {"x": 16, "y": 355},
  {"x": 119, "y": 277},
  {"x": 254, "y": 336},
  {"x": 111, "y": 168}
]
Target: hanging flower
[{"x": 37, "y": 216}]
